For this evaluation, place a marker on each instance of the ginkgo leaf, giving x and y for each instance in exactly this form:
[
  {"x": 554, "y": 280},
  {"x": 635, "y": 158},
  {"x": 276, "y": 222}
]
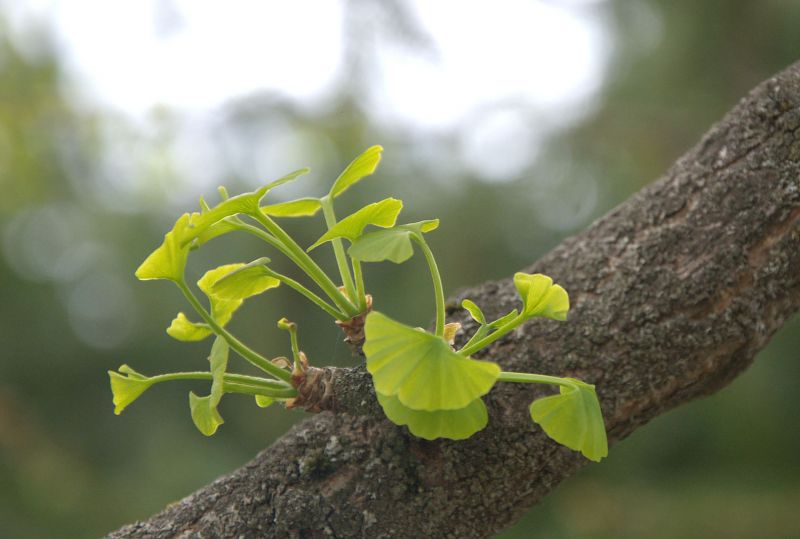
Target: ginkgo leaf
[
  {"x": 474, "y": 311},
  {"x": 540, "y": 297},
  {"x": 262, "y": 401},
  {"x": 168, "y": 261},
  {"x": 221, "y": 309},
  {"x": 204, "y": 409},
  {"x": 246, "y": 281},
  {"x": 229, "y": 224},
  {"x": 218, "y": 358},
  {"x": 222, "y": 305},
  {"x": 204, "y": 414},
  {"x": 247, "y": 203},
  {"x": 453, "y": 424},
  {"x": 183, "y": 329},
  {"x": 573, "y": 418},
  {"x": 383, "y": 214},
  {"x": 361, "y": 167},
  {"x": 126, "y": 386},
  {"x": 420, "y": 368},
  {"x": 390, "y": 244},
  {"x": 503, "y": 319},
  {"x": 302, "y": 207}
]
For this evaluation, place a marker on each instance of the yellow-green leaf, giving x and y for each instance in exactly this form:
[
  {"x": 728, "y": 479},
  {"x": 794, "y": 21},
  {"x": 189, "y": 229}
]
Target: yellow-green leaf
[
  {"x": 421, "y": 369},
  {"x": 392, "y": 244},
  {"x": 168, "y": 261},
  {"x": 302, "y": 207},
  {"x": 262, "y": 401},
  {"x": 573, "y": 418},
  {"x": 218, "y": 358},
  {"x": 126, "y": 386},
  {"x": 453, "y": 424},
  {"x": 224, "y": 300},
  {"x": 221, "y": 309},
  {"x": 204, "y": 414},
  {"x": 244, "y": 282},
  {"x": 383, "y": 214},
  {"x": 247, "y": 203},
  {"x": 362, "y": 166},
  {"x": 183, "y": 329},
  {"x": 540, "y": 297},
  {"x": 474, "y": 311},
  {"x": 229, "y": 224}
]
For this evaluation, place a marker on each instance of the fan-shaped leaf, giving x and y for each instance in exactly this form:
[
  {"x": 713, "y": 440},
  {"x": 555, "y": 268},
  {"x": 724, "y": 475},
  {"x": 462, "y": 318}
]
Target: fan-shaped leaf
[
  {"x": 168, "y": 261},
  {"x": 204, "y": 409},
  {"x": 421, "y": 369},
  {"x": 362, "y": 166},
  {"x": 262, "y": 401},
  {"x": 504, "y": 319},
  {"x": 126, "y": 386},
  {"x": 391, "y": 244},
  {"x": 302, "y": 207},
  {"x": 573, "y": 418},
  {"x": 383, "y": 214},
  {"x": 223, "y": 304},
  {"x": 229, "y": 224},
  {"x": 183, "y": 329},
  {"x": 540, "y": 297},
  {"x": 474, "y": 311},
  {"x": 218, "y": 358},
  {"x": 247, "y": 203},
  {"x": 221, "y": 309},
  {"x": 246, "y": 281},
  {"x": 453, "y": 424},
  {"x": 204, "y": 414}
]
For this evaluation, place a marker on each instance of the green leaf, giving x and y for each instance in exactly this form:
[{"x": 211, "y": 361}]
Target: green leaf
[
  {"x": 247, "y": 203},
  {"x": 573, "y": 418},
  {"x": 540, "y": 297},
  {"x": 246, "y": 281},
  {"x": 183, "y": 329},
  {"x": 485, "y": 328},
  {"x": 168, "y": 261},
  {"x": 126, "y": 386},
  {"x": 421, "y": 369},
  {"x": 262, "y": 401},
  {"x": 225, "y": 299},
  {"x": 453, "y": 424},
  {"x": 204, "y": 414},
  {"x": 474, "y": 311},
  {"x": 221, "y": 309},
  {"x": 229, "y": 224},
  {"x": 302, "y": 207},
  {"x": 479, "y": 334},
  {"x": 390, "y": 244},
  {"x": 361, "y": 167},
  {"x": 218, "y": 358},
  {"x": 204, "y": 409},
  {"x": 383, "y": 214},
  {"x": 504, "y": 319}
]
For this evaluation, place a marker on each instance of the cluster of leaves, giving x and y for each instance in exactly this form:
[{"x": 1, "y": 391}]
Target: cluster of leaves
[{"x": 420, "y": 379}]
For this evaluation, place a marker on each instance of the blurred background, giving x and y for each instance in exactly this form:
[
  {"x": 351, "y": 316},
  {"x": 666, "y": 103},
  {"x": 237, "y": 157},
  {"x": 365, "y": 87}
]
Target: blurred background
[{"x": 517, "y": 122}]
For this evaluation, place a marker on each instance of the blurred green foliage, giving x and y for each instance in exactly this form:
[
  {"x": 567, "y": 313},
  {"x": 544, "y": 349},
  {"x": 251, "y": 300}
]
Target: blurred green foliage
[{"x": 73, "y": 232}]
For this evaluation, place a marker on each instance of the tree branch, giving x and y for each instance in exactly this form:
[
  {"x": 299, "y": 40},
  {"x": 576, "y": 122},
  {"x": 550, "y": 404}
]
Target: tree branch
[{"x": 673, "y": 294}]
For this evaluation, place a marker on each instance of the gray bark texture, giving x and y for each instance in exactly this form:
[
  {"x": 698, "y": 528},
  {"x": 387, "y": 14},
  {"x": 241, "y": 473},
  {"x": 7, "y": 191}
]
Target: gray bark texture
[{"x": 673, "y": 293}]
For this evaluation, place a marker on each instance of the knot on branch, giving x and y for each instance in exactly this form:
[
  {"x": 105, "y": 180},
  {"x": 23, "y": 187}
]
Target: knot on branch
[
  {"x": 314, "y": 389},
  {"x": 354, "y": 329}
]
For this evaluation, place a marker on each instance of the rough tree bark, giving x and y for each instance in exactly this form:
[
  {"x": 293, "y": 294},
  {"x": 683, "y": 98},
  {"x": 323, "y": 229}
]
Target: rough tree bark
[{"x": 673, "y": 293}]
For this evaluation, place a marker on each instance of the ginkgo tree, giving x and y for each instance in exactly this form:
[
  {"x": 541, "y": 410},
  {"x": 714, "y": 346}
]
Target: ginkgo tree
[{"x": 421, "y": 380}]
